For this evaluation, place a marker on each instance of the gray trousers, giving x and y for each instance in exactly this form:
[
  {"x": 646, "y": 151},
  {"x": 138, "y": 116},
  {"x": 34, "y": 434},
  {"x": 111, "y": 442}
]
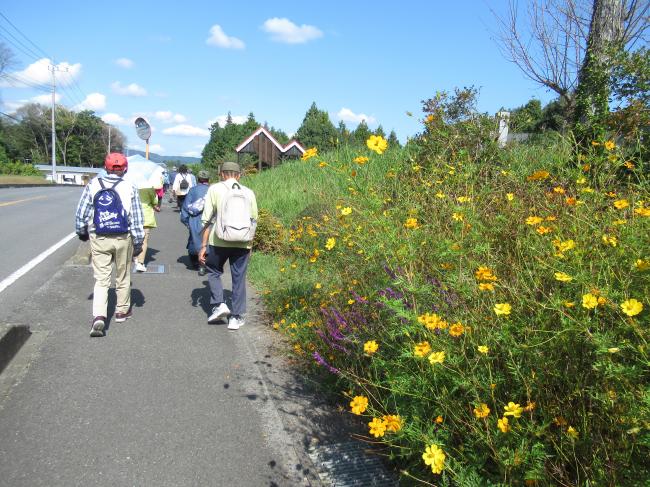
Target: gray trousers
[{"x": 238, "y": 259}]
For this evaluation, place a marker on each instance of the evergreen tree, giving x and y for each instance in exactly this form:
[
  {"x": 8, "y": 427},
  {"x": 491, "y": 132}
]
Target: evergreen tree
[
  {"x": 317, "y": 130},
  {"x": 393, "y": 141},
  {"x": 343, "y": 133},
  {"x": 361, "y": 134},
  {"x": 380, "y": 132}
]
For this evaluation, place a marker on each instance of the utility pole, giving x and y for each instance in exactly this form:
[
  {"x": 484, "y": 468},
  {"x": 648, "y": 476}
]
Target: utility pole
[{"x": 53, "y": 68}]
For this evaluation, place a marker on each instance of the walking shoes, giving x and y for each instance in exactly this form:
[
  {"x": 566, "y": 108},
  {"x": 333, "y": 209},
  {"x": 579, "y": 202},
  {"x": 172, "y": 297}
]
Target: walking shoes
[
  {"x": 235, "y": 322},
  {"x": 122, "y": 317},
  {"x": 219, "y": 313},
  {"x": 97, "y": 330}
]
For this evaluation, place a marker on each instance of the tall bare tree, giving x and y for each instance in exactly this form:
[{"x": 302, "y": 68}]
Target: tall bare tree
[{"x": 549, "y": 39}]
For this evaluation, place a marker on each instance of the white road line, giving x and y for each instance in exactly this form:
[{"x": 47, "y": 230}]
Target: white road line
[{"x": 34, "y": 262}]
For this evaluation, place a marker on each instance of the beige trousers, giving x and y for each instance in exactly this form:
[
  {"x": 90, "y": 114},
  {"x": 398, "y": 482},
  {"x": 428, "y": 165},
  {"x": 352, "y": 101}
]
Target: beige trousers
[
  {"x": 145, "y": 244},
  {"x": 108, "y": 251}
]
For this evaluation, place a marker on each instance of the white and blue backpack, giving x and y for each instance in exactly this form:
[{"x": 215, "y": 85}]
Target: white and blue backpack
[{"x": 109, "y": 216}]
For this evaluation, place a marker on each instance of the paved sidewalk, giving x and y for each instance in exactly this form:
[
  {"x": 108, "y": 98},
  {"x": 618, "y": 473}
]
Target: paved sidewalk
[{"x": 164, "y": 399}]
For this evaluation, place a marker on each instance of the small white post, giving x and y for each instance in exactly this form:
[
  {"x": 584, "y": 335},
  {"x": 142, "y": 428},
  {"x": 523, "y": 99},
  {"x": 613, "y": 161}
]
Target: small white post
[{"x": 503, "y": 117}]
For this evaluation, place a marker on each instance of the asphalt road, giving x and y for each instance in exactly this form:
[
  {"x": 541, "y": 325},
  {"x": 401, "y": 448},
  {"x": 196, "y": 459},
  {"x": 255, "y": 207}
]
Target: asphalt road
[
  {"x": 164, "y": 399},
  {"x": 32, "y": 220}
]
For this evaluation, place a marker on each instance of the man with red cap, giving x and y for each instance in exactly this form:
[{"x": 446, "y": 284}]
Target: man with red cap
[{"x": 109, "y": 213}]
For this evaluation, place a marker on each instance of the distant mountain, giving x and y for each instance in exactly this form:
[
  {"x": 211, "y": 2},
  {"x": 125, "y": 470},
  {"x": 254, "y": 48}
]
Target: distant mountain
[{"x": 158, "y": 158}]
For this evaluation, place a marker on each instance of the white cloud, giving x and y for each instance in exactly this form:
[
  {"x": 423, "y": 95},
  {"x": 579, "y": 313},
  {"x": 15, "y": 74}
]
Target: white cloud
[
  {"x": 237, "y": 119},
  {"x": 125, "y": 63},
  {"x": 348, "y": 115},
  {"x": 186, "y": 131},
  {"x": 114, "y": 119},
  {"x": 219, "y": 38},
  {"x": 129, "y": 90},
  {"x": 191, "y": 153},
  {"x": 46, "y": 99},
  {"x": 169, "y": 117},
  {"x": 283, "y": 30},
  {"x": 12, "y": 106},
  {"x": 156, "y": 148},
  {"x": 94, "y": 101},
  {"x": 39, "y": 73}
]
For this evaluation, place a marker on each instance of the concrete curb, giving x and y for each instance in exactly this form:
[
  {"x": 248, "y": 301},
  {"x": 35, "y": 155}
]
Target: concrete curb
[
  {"x": 18, "y": 185},
  {"x": 12, "y": 337},
  {"x": 81, "y": 256}
]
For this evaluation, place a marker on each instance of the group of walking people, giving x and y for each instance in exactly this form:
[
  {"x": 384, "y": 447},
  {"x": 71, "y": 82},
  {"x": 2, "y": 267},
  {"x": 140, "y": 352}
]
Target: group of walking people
[{"x": 117, "y": 219}]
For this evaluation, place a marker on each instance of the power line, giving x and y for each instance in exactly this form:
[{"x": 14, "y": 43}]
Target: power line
[
  {"x": 19, "y": 45},
  {"x": 24, "y": 36}
]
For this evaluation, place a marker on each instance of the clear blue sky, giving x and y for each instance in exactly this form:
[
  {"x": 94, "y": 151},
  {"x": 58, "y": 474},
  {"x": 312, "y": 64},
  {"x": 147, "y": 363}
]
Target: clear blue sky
[{"x": 183, "y": 64}]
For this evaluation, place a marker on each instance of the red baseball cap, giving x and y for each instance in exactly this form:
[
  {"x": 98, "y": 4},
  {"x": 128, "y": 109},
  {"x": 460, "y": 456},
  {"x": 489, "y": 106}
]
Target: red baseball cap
[{"x": 116, "y": 162}]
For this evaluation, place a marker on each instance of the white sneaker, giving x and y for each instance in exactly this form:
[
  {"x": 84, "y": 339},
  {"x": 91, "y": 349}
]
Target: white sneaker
[
  {"x": 235, "y": 323},
  {"x": 140, "y": 267},
  {"x": 219, "y": 313}
]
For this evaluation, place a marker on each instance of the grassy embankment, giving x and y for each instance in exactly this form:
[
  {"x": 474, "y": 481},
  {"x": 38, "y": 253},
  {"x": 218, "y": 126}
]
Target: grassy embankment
[
  {"x": 485, "y": 311},
  {"x": 12, "y": 179}
]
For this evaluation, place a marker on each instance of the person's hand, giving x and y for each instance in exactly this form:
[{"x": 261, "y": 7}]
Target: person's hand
[
  {"x": 83, "y": 235},
  {"x": 137, "y": 250},
  {"x": 202, "y": 255},
  {"x": 157, "y": 208}
]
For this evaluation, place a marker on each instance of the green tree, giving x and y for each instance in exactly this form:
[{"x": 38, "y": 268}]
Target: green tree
[
  {"x": 380, "y": 131},
  {"x": 393, "y": 141},
  {"x": 317, "y": 130},
  {"x": 526, "y": 118},
  {"x": 361, "y": 134},
  {"x": 344, "y": 134}
]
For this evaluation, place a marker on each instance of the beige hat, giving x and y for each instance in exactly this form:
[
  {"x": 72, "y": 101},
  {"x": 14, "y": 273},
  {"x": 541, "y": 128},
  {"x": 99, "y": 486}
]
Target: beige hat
[{"x": 230, "y": 166}]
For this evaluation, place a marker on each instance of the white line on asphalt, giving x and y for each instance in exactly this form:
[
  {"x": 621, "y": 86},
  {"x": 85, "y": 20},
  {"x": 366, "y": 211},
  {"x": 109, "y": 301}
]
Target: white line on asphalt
[{"x": 34, "y": 262}]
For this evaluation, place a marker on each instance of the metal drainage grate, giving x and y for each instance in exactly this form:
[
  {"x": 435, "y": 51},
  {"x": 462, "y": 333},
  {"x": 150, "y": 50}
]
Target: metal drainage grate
[
  {"x": 347, "y": 464},
  {"x": 151, "y": 269}
]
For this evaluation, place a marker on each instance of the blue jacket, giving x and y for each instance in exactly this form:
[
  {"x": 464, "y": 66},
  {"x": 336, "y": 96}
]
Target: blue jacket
[{"x": 193, "y": 222}]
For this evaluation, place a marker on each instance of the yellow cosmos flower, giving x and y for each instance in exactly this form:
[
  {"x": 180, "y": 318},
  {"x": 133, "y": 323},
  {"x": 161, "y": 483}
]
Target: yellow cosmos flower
[
  {"x": 562, "y": 277},
  {"x": 642, "y": 211},
  {"x": 346, "y": 211},
  {"x": 411, "y": 223},
  {"x": 530, "y": 405},
  {"x": 486, "y": 286},
  {"x": 629, "y": 164},
  {"x": 351, "y": 301},
  {"x": 393, "y": 422},
  {"x": 377, "y": 143},
  {"x": 458, "y": 217},
  {"x": 318, "y": 285},
  {"x": 513, "y": 409},
  {"x": 572, "y": 432},
  {"x": 609, "y": 145},
  {"x": 377, "y": 427},
  {"x": 463, "y": 199},
  {"x": 534, "y": 220},
  {"x": 359, "y": 404},
  {"x": 503, "y": 425},
  {"x": 421, "y": 349},
  {"x": 485, "y": 274},
  {"x": 322, "y": 164},
  {"x": 542, "y": 230},
  {"x": 435, "y": 457},
  {"x": 558, "y": 190},
  {"x": 621, "y": 204},
  {"x": 569, "y": 304},
  {"x": 642, "y": 264},
  {"x": 631, "y": 307},
  {"x": 439, "y": 420},
  {"x": 610, "y": 240},
  {"x": 538, "y": 176},
  {"x": 370, "y": 347},
  {"x": 457, "y": 329},
  {"x": 361, "y": 160},
  {"x": 562, "y": 247},
  {"x": 309, "y": 153},
  {"x": 510, "y": 196},
  {"x": 437, "y": 358},
  {"x": 440, "y": 195},
  {"x": 581, "y": 180},
  {"x": 502, "y": 309},
  {"x": 331, "y": 242},
  {"x": 483, "y": 349},
  {"x": 482, "y": 410},
  {"x": 589, "y": 301},
  {"x": 432, "y": 321},
  {"x": 571, "y": 201}
]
